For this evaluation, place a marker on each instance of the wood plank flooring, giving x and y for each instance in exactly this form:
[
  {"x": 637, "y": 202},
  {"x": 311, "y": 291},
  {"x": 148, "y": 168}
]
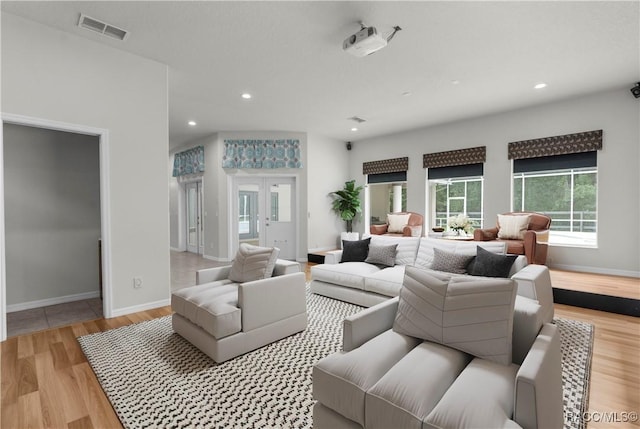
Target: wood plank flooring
[{"x": 46, "y": 381}]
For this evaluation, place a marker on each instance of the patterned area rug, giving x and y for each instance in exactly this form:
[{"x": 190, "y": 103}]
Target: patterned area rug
[{"x": 155, "y": 378}]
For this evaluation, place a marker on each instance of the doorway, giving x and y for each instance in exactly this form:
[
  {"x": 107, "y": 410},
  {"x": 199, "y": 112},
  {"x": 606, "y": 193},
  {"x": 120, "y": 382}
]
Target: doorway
[
  {"x": 193, "y": 193},
  {"x": 265, "y": 213}
]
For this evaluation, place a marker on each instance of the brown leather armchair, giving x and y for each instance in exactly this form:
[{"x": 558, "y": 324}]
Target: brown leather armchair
[
  {"x": 535, "y": 243},
  {"x": 413, "y": 228}
]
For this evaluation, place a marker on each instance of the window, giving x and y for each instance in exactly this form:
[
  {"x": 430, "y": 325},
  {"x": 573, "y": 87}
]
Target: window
[
  {"x": 563, "y": 187},
  {"x": 387, "y": 193},
  {"x": 456, "y": 196}
]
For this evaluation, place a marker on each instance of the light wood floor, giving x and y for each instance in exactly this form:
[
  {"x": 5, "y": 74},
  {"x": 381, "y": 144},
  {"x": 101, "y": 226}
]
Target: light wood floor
[{"x": 46, "y": 381}]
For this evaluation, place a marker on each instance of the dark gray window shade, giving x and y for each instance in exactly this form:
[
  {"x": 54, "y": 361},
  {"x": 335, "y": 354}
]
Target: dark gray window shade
[
  {"x": 469, "y": 170},
  {"x": 556, "y": 162},
  {"x": 399, "y": 176}
]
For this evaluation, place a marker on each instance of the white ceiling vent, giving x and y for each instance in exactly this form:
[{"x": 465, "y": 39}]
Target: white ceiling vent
[
  {"x": 357, "y": 119},
  {"x": 102, "y": 27}
]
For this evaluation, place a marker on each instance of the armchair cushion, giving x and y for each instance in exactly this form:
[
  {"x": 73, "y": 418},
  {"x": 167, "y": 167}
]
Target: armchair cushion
[
  {"x": 512, "y": 226},
  {"x": 397, "y": 222},
  {"x": 253, "y": 263},
  {"x": 473, "y": 316}
]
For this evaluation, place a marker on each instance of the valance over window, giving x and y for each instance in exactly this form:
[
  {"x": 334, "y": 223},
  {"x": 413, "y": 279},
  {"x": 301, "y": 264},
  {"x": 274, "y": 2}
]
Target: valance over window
[
  {"x": 394, "y": 165},
  {"x": 189, "y": 162},
  {"x": 284, "y": 153},
  {"x": 450, "y": 158},
  {"x": 588, "y": 141}
]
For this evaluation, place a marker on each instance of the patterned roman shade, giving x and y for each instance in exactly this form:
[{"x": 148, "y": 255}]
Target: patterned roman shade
[
  {"x": 450, "y": 158},
  {"x": 394, "y": 165},
  {"x": 588, "y": 141},
  {"x": 280, "y": 153},
  {"x": 189, "y": 162}
]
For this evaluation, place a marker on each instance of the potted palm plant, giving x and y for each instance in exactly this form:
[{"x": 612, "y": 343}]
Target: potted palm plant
[{"x": 347, "y": 205}]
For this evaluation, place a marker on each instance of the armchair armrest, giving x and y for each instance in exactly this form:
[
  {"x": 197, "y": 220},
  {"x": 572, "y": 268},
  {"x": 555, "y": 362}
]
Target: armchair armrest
[
  {"x": 269, "y": 300},
  {"x": 534, "y": 282},
  {"x": 487, "y": 234},
  {"x": 359, "y": 328},
  {"x": 212, "y": 274},
  {"x": 378, "y": 229},
  {"x": 538, "y": 390},
  {"x": 412, "y": 231}
]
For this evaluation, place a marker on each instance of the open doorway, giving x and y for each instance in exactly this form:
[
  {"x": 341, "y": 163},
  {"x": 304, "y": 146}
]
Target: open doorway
[
  {"x": 54, "y": 230},
  {"x": 193, "y": 200}
]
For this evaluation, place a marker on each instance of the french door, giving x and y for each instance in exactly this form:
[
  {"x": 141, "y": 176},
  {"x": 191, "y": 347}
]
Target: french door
[
  {"x": 265, "y": 213},
  {"x": 193, "y": 193}
]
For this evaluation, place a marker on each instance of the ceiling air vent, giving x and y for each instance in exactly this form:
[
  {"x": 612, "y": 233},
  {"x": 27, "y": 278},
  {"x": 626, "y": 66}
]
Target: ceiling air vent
[
  {"x": 357, "y": 119},
  {"x": 102, "y": 27}
]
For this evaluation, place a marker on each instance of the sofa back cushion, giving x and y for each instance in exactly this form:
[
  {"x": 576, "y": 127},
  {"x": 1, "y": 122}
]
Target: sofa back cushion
[
  {"x": 405, "y": 251},
  {"x": 253, "y": 263},
  {"x": 465, "y": 313},
  {"x": 425, "y": 256}
]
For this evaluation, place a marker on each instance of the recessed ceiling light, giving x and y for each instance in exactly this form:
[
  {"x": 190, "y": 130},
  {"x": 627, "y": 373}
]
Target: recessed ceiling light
[
  {"x": 540, "y": 85},
  {"x": 455, "y": 82},
  {"x": 192, "y": 123},
  {"x": 246, "y": 96},
  {"x": 354, "y": 129},
  {"x": 406, "y": 93}
]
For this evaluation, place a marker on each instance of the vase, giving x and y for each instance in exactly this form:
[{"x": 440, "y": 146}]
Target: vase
[{"x": 461, "y": 233}]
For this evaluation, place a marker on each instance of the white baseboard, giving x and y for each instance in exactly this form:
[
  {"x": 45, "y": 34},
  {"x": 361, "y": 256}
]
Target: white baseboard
[
  {"x": 141, "y": 307},
  {"x": 176, "y": 249},
  {"x": 52, "y": 301},
  {"x": 595, "y": 270},
  {"x": 213, "y": 258}
]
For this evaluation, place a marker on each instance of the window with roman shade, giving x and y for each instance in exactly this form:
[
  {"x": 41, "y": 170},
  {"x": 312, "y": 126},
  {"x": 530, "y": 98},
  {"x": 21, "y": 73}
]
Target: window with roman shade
[
  {"x": 386, "y": 190},
  {"x": 455, "y": 184},
  {"x": 558, "y": 176}
]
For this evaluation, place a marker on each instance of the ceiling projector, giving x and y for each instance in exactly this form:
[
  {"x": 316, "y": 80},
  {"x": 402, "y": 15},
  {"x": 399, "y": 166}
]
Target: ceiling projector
[{"x": 364, "y": 42}]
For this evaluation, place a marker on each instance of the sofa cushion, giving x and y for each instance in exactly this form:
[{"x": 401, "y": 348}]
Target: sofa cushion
[
  {"x": 406, "y": 250},
  {"x": 424, "y": 258},
  {"x": 481, "y": 397},
  {"x": 450, "y": 262},
  {"x": 341, "y": 380},
  {"x": 384, "y": 255},
  {"x": 397, "y": 222},
  {"x": 253, "y": 263},
  {"x": 349, "y": 274},
  {"x": 355, "y": 250},
  {"x": 385, "y": 282},
  {"x": 512, "y": 226},
  {"x": 408, "y": 392},
  {"x": 213, "y": 308},
  {"x": 489, "y": 264},
  {"x": 471, "y": 315}
]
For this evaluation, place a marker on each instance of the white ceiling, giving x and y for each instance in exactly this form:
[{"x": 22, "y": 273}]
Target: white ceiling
[{"x": 289, "y": 56}]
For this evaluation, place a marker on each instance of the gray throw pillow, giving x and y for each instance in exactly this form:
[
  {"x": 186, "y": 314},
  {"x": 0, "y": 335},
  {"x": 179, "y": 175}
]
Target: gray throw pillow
[
  {"x": 471, "y": 315},
  {"x": 355, "y": 251},
  {"x": 253, "y": 263},
  {"x": 489, "y": 264},
  {"x": 382, "y": 255},
  {"x": 450, "y": 262}
]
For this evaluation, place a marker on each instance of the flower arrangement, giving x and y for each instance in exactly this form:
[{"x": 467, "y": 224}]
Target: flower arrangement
[{"x": 460, "y": 223}]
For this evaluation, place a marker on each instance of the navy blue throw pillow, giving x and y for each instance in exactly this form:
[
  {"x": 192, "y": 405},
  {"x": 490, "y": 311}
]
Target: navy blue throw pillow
[
  {"x": 489, "y": 264},
  {"x": 355, "y": 251}
]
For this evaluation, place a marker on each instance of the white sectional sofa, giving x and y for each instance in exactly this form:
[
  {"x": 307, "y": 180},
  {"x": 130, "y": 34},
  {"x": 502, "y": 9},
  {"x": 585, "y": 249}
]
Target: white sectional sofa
[{"x": 367, "y": 284}]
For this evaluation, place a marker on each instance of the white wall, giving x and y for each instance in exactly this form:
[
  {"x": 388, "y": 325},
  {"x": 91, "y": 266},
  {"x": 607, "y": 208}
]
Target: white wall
[
  {"x": 327, "y": 169},
  {"x": 52, "y": 215},
  {"x": 615, "y": 112},
  {"x": 57, "y": 76}
]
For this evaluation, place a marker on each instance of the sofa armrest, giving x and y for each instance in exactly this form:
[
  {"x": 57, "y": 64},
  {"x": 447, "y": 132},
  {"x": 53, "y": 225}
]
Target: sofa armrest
[
  {"x": 378, "y": 229},
  {"x": 266, "y": 301},
  {"x": 284, "y": 266},
  {"x": 333, "y": 257},
  {"x": 534, "y": 282},
  {"x": 359, "y": 328},
  {"x": 212, "y": 274},
  {"x": 487, "y": 234},
  {"x": 538, "y": 390}
]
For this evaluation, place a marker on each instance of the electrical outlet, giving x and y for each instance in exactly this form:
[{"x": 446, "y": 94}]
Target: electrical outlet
[{"x": 137, "y": 282}]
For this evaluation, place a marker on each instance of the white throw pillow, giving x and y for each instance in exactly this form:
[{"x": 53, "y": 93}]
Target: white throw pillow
[
  {"x": 253, "y": 263},
  {"x": 397, "y": 222},
  {"x": 471, "y": 315},
  {"x": 512, "y": 227}
]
